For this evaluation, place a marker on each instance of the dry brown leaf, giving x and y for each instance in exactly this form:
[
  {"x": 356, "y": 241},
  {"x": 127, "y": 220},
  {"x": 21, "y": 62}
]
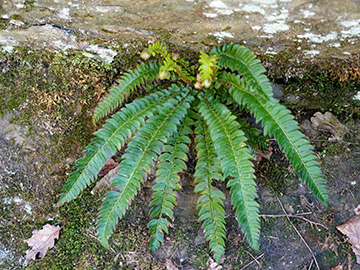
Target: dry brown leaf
[
  {"x": 109, "y": 165},
  {"x": 41, "y": 241},
  {"x": 351, "y": 229},
  {"x": 339, "y": 267},
  {"x": 170, "y": 265},
  {"x": 213, "y": 265},
  {"x": 105, "y": 182}
]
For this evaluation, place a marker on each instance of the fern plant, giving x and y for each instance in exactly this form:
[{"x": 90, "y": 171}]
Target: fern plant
[{"x": 205, "y": 100}]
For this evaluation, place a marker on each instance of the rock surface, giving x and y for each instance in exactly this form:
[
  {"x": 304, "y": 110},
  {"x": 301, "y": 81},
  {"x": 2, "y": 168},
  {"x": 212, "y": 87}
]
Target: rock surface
[{"x": 320, "y": 27}]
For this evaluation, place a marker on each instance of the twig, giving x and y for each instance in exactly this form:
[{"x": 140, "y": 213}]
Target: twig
[
  {"x": 312, "y": 261},
  {"x": 302, "y": 238},
  {"x": 324, "y": 140},
  {"x": 300, "y": 216},
  {"x": 250, "y": 263},
  {"x": 254, "y": 259},
  {"x": 349, "y": 259},
  {"x": 283, "y": 215}
]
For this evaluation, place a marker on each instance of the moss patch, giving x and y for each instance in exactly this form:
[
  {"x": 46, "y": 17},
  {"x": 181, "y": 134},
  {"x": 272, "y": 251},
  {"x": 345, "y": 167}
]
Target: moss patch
[{"x": 323, "y": 83}]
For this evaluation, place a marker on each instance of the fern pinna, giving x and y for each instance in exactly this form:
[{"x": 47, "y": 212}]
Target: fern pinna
[{"x": 157, "y": 128}]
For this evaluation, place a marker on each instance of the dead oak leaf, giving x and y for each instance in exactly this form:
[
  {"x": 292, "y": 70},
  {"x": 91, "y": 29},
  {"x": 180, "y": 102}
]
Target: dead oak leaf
[
  {"x": 213, "y": 265},
  {"x": 41, "y": 241},
  {"x": 351, "y": 229},
  {"x": 170, "y": 265},
  {"x": 339, "y": 267},
  {"x": 109, "y": 165}
]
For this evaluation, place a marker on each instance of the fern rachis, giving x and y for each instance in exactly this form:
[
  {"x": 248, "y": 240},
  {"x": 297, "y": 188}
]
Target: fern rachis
[{"x": 157, "y": 129}]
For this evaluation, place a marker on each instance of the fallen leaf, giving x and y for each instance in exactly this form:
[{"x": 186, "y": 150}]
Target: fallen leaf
[
  {"x": 213, "y": 265},
  {"x": 170, "y": 265},
  {"x": 260, "y": 154},
  {"x": 105, "y": 182},
  {"x": 109, "y": 165},
  {"x": 351, "y": 229},
  {"x": 41, "y": 241},
  {"x": 339, "y": 267}
]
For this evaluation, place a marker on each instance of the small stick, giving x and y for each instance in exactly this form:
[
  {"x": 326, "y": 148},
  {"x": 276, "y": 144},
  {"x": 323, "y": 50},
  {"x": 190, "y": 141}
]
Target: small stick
[
  {"x": 298, "y": 216},
  {"x": 254, "y": 259},
  {"x": 250, "y": 263},
  {"x": 349, "y": 259},
  {"x": 312, "y": 261},
  {"x": 302, "y": 238},
  {"x": 283, "y": 215}
]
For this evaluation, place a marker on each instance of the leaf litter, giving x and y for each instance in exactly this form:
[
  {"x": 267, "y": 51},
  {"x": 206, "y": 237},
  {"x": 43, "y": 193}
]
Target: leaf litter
[
  {"x": 351, "y": 229},
  {"x": 41, "y": 241}
]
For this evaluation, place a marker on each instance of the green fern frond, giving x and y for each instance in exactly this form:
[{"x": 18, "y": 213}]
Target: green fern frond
[
  {"x": 156, "y": 128},
  {"x": 210, "y": 204},
  {"x": 157, "y": 48},
  {"x": 277, "y": 121},
  {"x": 109, "y": 139},
  {"x": 229, "y": 143},
  {"x": 208, "y": 67},
  {"x": 172, "y": 161},
  {"x": 184, "y": 75},
  {"x": 128, "y": 83},
  {"x": 241, "y": 59},
  {"x": 142, "y": 151}
]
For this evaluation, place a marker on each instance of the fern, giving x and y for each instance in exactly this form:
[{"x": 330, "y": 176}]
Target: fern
[
  {"x": 278, "y": 122},
  {"x": 158, "y": 128},
  {"x": 210, "y": 203},
  {"x": 128, "y": 83},
  {"x": 109, "y": 139},
  {"x": 172, "y": 161},
  {"x": 229, "y": 143}
]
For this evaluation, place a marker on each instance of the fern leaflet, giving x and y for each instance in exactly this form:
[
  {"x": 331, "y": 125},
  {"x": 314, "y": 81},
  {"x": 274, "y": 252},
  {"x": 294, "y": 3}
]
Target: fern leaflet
[
  {"x": 278, "y": 122},
  {"x": 172, "y": 161},
  {"x": 128, "y": 83},
  {"x": 157, "y": 48},
  {"x": 140, "y": 154},
  {"x": 207, "y": 68},
  {"x": 241, "y": 59},
  {"x": 229, "y": 143},
  {"x": 210, "y": 204}
]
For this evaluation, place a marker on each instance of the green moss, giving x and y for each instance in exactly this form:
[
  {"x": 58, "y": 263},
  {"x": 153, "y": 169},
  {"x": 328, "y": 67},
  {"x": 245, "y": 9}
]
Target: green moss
[
  {"x": 53, "y": 94},
  {"x": 274, "y": 173},
  {"x": 29, "y": 4},
  {"x": 325, "y": 83},
  {"x": 17, "y": 17},
  {"x": 77, "y": 248}
]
